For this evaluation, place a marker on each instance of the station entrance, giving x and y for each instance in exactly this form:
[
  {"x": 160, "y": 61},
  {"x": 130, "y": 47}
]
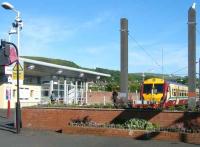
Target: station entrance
[{"x": 68, "y": 85}]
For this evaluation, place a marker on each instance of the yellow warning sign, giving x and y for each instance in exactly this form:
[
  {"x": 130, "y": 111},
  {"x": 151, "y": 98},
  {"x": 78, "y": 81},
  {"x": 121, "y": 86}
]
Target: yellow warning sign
[
  {"x": 19, "y": 66},
  {"x": 21, "y": 72}
]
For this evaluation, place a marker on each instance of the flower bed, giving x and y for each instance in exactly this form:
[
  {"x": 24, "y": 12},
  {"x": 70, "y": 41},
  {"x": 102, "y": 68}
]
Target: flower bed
[
  {"x": 135, "y": 134},
  {"x": 133, "y": 124}
]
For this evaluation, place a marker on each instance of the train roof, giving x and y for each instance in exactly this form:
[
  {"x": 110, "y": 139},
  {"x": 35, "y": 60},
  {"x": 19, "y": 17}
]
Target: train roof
[
  {"x": 160, "y": 81},
  {"x": 175, "y": 83},
  {"x": 154, "y": 80}
]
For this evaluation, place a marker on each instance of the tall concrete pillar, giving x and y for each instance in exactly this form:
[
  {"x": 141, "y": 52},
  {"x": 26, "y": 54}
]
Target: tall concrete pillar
[
  {"x": 124, "y": 59},
  {"x": 191, "y": 56},
  {"x": 199, "y": 80}
]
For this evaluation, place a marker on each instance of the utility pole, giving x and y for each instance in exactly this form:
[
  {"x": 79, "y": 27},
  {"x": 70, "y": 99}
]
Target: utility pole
[
  {"x": 124, "y": 59},
  {"x": 162, "y": 65},
  {"x": 192, "y": 57},
  {"x": 143, "y": 76},
  {"x": 199, "y": 79}
]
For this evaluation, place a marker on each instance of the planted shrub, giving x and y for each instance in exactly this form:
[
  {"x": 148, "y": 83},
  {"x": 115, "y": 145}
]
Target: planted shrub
[
  {"x": 181, "y": 108},
  {"x": 140, "y": 124},
  {"x": 172, "y": 108}
]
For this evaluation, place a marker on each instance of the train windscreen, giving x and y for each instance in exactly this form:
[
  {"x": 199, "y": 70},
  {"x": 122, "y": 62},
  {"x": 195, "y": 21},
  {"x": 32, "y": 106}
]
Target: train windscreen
[
  {"x": 147, "y": 88},
  {"x": 159, "y": 88}
]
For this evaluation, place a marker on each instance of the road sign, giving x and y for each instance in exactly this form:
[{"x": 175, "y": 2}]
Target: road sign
[
  {"x": 21, "y": 72},
  {"x": 20, "y": 67}
]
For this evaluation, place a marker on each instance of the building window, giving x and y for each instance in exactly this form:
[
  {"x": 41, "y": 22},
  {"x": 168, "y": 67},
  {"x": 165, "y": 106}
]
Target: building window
[
  {"x": 14, "y": 93},
  {"x": 31, "y": 93}
]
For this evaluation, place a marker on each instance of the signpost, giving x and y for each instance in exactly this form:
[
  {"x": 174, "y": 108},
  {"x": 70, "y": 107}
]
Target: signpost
[{"x": 6, "y": 58}]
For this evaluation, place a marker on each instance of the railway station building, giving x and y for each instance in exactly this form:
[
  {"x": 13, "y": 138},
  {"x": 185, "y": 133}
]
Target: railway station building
[{"x": 41, "y": 80}]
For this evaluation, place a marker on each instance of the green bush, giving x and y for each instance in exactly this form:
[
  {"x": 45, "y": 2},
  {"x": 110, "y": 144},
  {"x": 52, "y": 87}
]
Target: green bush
[
  {"x": 141, "y": 124},
  {"x": 181, "y": 108},
  {"x": 172, "y": 108}
]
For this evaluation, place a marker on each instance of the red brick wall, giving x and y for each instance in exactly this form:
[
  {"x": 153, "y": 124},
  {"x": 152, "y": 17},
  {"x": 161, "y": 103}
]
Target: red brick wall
[
  {"x": 57, "y": 118},
  {"x": 98, "y": 97},
  {"x": 95, "y": 97}
]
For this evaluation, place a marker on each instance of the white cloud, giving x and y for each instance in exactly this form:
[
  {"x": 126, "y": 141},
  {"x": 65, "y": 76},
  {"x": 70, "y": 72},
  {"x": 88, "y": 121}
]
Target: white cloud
[
  {"x": 41, "y": 34},
  {"x": 45, "y": 30},
  {"x": 96, "y": 21},
  {"x": 99, "y": 50},
  {"x": 174, "y": 57},
  {"x": 92, "y": 23}
]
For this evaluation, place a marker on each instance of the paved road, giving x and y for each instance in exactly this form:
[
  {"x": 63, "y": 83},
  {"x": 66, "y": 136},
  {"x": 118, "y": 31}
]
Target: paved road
[
  {"x": 31, "y": 138},
  {"x": 7, "y": 123}
]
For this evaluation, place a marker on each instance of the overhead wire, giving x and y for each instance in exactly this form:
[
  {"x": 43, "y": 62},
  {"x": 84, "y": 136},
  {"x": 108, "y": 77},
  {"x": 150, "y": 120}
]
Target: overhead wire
[
  {"x": 139, "y": 45},
  {"x": 148, "y": 54},
  {"x": 181, "y": 69}
]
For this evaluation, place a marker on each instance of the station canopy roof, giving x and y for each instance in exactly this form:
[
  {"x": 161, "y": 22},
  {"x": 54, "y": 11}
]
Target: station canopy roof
[{"x": 39, "y": 68}]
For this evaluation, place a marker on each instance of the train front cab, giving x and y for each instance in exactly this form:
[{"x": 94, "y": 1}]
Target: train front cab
[{"x": 153, "y": 93}]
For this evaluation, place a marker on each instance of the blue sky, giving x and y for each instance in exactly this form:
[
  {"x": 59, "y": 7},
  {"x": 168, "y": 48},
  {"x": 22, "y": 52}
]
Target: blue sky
[{"x": 87, "y": 32}]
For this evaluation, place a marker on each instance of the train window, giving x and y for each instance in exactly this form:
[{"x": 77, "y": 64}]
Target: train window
[
  {"x": 174, "y": 92},
  {"x": 14, "y": 93},
  {"x": 147, "y": 88},
  {"x": 159, "y": 88},
  {"x": 171, "y": 91},
  {"x": 31, "y": 93}
]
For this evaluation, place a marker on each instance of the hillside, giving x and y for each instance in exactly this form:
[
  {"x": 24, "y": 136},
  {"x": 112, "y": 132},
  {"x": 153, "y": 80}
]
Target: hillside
[
  {"x": 53, "y": 61},
  {"x": 135, "y": 79}
]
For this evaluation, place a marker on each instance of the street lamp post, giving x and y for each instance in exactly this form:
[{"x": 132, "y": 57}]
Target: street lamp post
[
  {"x": 12, "y": 31},
  {"x": 18, "y": 21},
  {"x": 18, "y": 26}
]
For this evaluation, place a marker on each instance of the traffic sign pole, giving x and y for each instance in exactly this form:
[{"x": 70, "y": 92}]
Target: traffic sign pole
[
  {"x": 18, "y": 112},
  {"x": 7, "y": 61}
]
